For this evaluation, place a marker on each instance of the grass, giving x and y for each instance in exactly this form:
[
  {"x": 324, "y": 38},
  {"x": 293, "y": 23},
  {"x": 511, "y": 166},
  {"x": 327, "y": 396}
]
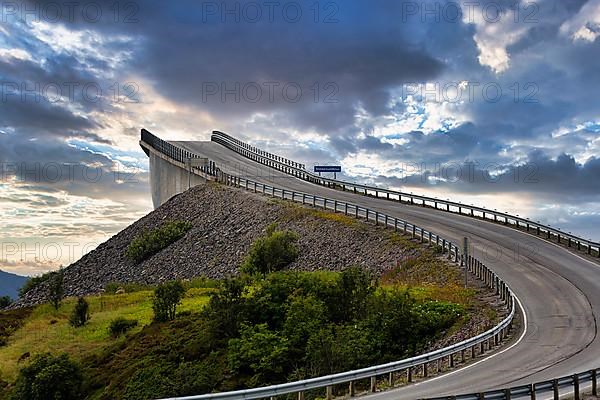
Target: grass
[{"x": 48, "y": 330}]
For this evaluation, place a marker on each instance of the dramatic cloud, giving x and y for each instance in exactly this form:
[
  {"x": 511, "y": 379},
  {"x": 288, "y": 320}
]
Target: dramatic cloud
[{"x": 401, "y": 93}]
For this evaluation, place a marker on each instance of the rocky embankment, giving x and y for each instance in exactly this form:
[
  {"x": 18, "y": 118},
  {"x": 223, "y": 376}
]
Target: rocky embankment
[{"x": 225, "y": 223}]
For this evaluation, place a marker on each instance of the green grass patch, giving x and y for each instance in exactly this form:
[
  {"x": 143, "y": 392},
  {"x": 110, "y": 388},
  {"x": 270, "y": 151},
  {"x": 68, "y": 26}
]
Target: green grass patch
[{"x": 48, "y": 330}]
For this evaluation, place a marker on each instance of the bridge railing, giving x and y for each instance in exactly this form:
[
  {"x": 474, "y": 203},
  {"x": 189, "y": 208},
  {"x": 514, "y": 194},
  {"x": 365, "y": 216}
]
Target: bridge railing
[
  {"x": 572, "y": 386},
  {"x": 535, "y": 228},
  {"x": 176, "y": 153},
  {"x": 412, "y": 366},
  {"x": 262, "y": 153}
]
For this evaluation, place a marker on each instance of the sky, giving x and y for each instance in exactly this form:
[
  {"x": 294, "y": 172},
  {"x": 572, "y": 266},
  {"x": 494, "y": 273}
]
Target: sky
[{"x": 493, "y": 103}]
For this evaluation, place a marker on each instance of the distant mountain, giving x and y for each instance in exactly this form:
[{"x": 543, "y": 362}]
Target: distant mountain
[{"x": 10, "y": 284}]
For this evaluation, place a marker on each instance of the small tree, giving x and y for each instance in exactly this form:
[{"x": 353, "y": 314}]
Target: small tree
[
  {"x": 271, "y": 252},
  {"x": 80, "y": 315},
  {"x": 166, "y": 298},
  {"x": 49, "y": 377},
  {"x": 56, "y": 291}
]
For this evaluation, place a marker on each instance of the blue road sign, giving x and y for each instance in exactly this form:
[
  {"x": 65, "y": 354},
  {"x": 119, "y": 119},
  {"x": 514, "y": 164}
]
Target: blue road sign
[{"x": 328, "y": 168}]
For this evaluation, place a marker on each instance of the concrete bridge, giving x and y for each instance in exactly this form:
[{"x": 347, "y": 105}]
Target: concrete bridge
[{"x": 556, "y": 276}]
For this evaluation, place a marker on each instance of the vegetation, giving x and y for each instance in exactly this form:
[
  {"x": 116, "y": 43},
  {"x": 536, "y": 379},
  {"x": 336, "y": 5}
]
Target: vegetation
[
  {"x": 56, "y": 290},
  {"x": 5, "y": 301},
  {"x": 264, "y": 327},
  {"x": 80, "y": 315},
  {"x": 272, "y": 252},
  {"x": 120, "y": 326},
  {"x": 166, "y": 299},
  {"x": 151, "y": 242},
  {"x": 34, "y": 282},
  {"x": 49, "y": 377}
]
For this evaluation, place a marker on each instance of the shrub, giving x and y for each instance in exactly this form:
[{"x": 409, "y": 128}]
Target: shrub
[
  {"x": 271, "y": 252},
  {"x": 49, "y": 377},
  {"x": 120, "y": 326},
  {"x": 5, "y": 301},
  {"x": 165, "y": 300},
  {"x": 149, "y": 243},
  {"x": 80, "y": 315},
  {"x": 260, "y": 353}
]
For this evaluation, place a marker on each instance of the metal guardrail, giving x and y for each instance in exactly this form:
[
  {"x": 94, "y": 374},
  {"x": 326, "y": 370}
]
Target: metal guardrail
[
  {"x": 575, "y": 383},
  {"x": 536, "y": 228},
  {"x": 260, "y": 152},
  {"x": 478, "y": 344}
]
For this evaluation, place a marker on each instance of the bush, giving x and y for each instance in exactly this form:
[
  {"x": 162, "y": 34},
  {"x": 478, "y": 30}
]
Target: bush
[
  {"x": 49, "y": 377},
  {"x": 80, "y": 315},
  {"x": 271, "y": 252},
  {"x": 120, "y": 326},
  {"x": 149, "y": 243},
  {"x": 5, "y": 301},
  {"x": 260, "y": 353},
  {"x": 165, "y": 300}
]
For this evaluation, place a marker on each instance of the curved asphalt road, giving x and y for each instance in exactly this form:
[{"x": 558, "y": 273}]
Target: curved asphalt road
[{"x": 558, "y": 289}]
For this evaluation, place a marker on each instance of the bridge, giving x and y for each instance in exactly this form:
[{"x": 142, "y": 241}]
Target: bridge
[{"x": 547, "y": 278}]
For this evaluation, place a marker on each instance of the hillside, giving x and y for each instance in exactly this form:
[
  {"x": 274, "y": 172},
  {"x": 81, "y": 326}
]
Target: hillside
[
  {"x": 307, "y": 320},
  {"x": 10, "y": 284},
  {"x": 225, "y": 222}
]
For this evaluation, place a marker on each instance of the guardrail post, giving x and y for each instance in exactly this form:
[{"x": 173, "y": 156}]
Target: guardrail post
[
  {"x": 351, "y": 388},
  {"x": 414, "y": 231},
  {"x": 373, "y": 385},
  {"x": 313, "y": 201},
  {"x": 300, "y": 395},
  {"x": 451, "y": 360},
  {"x": 422, "y": 238},
  {"x": 345, "y": 208},
  {"x": 329, "y": 392},
  {"x": 376, "y": 217},
  {"x": 576, "y": 386},
  {"x": 472, "y": 351},
  {"x": 408, "y": 374},
  {"x": 594, "y": 382},
  {"x": 425, "y": 372},
  {"x": 462, "y": 356},
  {"x": 391, "y": 379},
  {"x": 532, "y": 391},
  {"x": 335, "y": 206},
  {"x": 507, "y": 394},
  {"x": 555, "y": 389},
  {"x": 481, "y": 347}
]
